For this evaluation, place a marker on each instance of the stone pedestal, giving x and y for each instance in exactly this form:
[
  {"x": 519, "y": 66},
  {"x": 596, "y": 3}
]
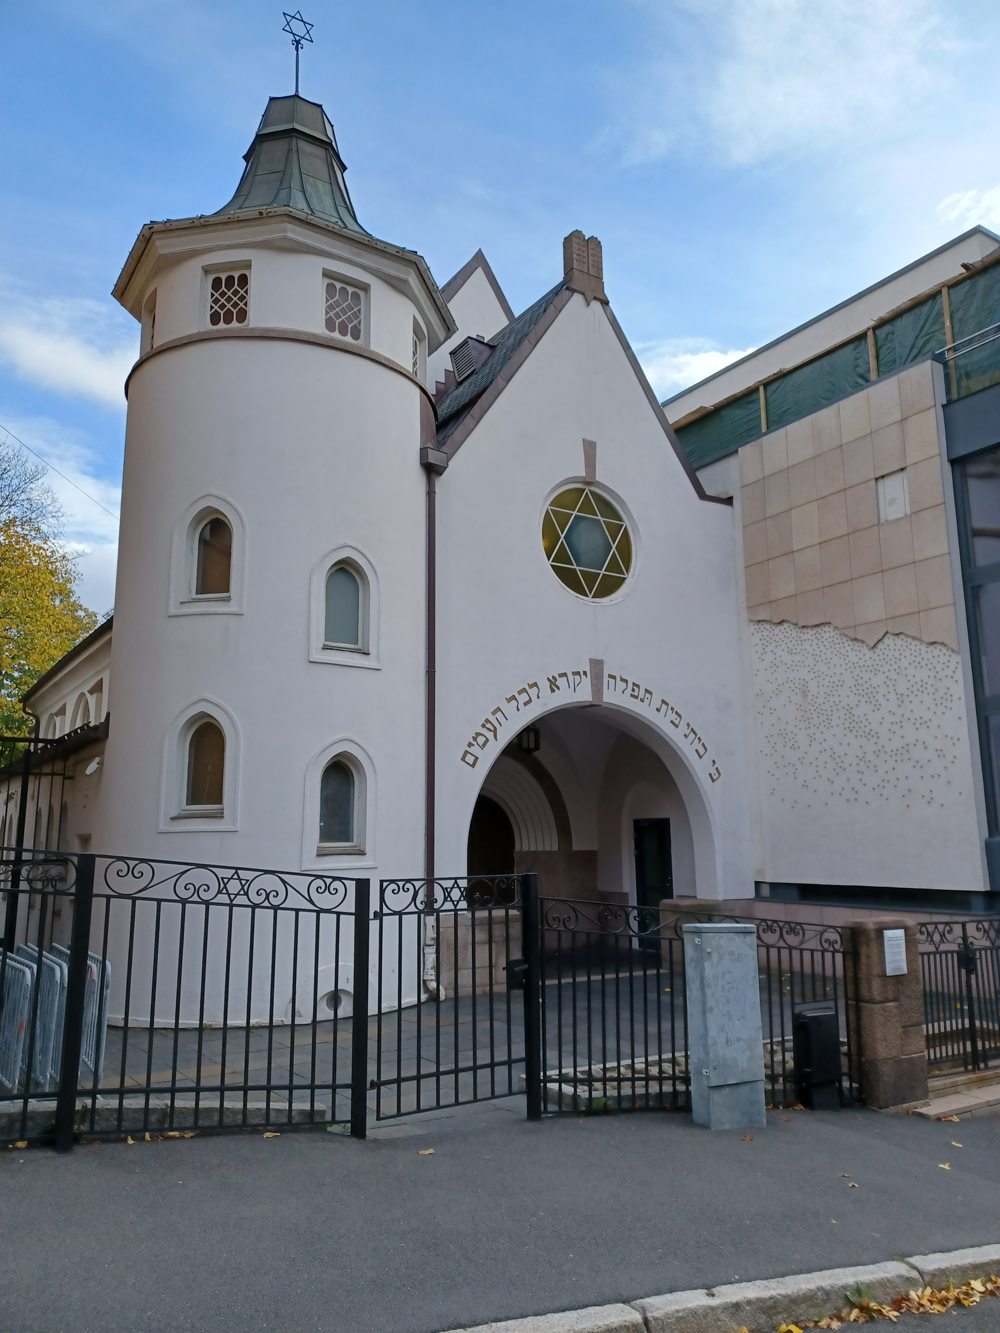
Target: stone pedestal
[
  {"x": 725, "y": 1041},
  {"x": 885, "y": 1014}
]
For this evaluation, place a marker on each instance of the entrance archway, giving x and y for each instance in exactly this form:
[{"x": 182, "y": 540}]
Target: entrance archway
[
  {"x": 491, "y": 840},
  {"x": 604, "y": 792}
]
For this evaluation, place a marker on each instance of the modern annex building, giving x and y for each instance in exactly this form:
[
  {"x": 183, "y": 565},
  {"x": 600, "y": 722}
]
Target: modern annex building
[{"x": 408, "y": 583}]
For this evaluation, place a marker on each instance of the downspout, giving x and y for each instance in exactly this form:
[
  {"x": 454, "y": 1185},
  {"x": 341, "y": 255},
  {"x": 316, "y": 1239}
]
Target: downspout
[{"x": 434, "y": 462}]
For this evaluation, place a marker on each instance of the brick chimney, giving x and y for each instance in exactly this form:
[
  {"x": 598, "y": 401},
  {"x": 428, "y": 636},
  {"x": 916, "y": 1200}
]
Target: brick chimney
[{"x": 583, "y": 266}]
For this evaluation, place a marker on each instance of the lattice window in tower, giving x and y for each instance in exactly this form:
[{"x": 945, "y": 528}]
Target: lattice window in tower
[
  {"x": 229, "y": 299},
  {"x": 344, "y": 311},
  {"x": 416, "y": 355}
]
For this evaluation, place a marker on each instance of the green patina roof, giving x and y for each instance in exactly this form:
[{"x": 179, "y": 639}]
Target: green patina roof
[{"x": 294, "y": 162}]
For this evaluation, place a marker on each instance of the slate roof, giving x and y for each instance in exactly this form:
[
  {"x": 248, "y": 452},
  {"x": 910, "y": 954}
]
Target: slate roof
[
  {"x": 294, "y": 161},
  {"x": 452, "y": 408}
]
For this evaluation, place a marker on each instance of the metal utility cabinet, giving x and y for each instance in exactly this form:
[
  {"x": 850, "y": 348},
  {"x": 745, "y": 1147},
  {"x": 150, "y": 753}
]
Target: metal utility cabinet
[{"x": 725, "y": 1041}]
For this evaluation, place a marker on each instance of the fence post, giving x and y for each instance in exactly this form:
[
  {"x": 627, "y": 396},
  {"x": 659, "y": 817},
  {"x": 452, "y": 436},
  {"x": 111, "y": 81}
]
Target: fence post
[
  {"x": 532, "y": 945},
  {"x": 886, "y": 1014},
  {"x": 359, "y": 1030},
  {"x": 76, "y": 990}
]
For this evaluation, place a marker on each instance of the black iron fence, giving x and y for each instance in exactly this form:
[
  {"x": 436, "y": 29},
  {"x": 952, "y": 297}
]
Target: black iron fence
[
  {"x": 450, "y": 961},
  {"x": 960, "y": 972},
  {"x": 143, "y": 995},
  {"x": 153, "y": 996},
  {"x": 614, "y": 1020}
]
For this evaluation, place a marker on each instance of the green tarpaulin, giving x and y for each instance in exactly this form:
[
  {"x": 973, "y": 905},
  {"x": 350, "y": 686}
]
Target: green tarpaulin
[
  {"x": 804, "y": 391},
  {"x": 720, "y": 432},
  {"x": 975, "y": 305},
  {"x": 910, "y": 337}
]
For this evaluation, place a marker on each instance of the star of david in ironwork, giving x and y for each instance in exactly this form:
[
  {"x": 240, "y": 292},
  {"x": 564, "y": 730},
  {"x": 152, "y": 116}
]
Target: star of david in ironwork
[
  {"x": 587, "y": 542},
  {"x": 299, "y": 29}
]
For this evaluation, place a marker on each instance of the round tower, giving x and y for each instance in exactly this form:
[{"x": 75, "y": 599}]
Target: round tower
[{"x": 268, "y": 644}]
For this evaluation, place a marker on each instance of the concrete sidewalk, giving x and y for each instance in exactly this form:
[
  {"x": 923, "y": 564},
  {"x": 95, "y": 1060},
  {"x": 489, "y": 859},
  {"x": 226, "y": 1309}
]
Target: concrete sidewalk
[{"x": 313, "y": 1231}]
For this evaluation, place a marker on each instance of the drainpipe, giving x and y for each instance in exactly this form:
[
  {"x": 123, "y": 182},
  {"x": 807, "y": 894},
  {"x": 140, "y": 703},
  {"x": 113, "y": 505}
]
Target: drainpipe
[{"x": 434, "y": 462}]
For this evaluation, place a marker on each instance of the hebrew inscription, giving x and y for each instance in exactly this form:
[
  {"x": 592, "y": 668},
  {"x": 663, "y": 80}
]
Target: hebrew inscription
[{"x": 569, "y": 682}]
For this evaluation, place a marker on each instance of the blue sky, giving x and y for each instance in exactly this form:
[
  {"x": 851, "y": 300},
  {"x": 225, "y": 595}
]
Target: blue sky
[{"x": 746, "y": 163}]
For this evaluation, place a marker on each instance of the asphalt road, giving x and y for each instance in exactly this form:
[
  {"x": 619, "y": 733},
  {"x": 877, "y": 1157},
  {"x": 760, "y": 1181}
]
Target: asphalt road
[{"x": 313, "y": 1231}]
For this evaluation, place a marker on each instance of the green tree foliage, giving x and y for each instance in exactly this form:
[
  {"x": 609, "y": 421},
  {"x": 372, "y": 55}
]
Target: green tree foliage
[{"x": 40, "y": 615}]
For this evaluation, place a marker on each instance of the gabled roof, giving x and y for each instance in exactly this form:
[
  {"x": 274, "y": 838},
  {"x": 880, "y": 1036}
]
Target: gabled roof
[
  {"x": 452, "y": 408},
  {"x": 459, "y": 279},
  {"x": 105, "y": 627},
  {"x": 294, "y": 161}
]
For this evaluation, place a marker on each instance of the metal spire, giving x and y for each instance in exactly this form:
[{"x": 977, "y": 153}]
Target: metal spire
[{"x": 297, "y": 36}]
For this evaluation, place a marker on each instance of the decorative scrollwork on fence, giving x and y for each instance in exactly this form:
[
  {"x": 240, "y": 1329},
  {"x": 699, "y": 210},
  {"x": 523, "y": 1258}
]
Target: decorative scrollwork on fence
[
  {"x": 560, "y": 914},
  {"x": 128, "y": 877},
  {"x": 35, "y": 872},
  {"x": 459, "y": 893},
  {"x": 951, "y": 936}
]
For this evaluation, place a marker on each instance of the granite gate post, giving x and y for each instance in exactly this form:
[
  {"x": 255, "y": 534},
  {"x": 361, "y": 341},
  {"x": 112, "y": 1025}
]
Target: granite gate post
[{"x": 725, "y": 1040}]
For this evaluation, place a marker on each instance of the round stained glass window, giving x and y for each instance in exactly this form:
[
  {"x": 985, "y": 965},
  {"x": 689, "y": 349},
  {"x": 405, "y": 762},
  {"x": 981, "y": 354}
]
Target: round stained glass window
[{"x": 587, "y": 542}]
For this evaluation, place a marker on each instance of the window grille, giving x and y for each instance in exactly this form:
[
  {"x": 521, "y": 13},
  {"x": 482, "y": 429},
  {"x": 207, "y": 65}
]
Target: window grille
[
  {"x": 416, "y": 356},
  {"x": 344, "y": 306},
  {"x": 230, "y": 296}
]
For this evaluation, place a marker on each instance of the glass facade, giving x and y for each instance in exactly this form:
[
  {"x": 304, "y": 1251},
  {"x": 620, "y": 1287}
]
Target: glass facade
[{"x": 977, "y": 496}]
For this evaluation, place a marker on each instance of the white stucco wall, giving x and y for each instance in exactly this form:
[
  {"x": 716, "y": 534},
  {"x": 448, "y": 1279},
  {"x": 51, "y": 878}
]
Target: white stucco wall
[{"x": 507, "y": 623}]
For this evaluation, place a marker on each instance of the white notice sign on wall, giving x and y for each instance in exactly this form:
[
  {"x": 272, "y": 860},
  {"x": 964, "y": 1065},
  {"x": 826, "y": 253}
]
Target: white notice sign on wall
[{"x": 895, "y": 952}]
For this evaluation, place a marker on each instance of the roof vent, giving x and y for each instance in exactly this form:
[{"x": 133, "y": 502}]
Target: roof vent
[{"x": 469, "y": 355}]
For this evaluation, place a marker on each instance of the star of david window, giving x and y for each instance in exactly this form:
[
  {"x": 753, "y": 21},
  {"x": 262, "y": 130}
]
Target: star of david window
[{"x": 587, "y": 542}]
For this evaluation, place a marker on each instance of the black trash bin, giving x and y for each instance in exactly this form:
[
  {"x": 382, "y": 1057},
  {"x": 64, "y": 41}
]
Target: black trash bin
[{"x": 816, "y": 1051}]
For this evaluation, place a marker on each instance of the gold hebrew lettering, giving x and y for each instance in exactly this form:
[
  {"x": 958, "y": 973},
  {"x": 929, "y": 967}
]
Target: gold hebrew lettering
[
  {"x": 688, "y": 731},
  {"x": 634, "y": 692},
  {"x": 469, "y": 758},
  {"x": 491, "y": 727},
  {"x": 577, "y": 680},
  {"x": 565, "y": 678},
  {"x": 501, "y": 712},
  {"x": 553, "y": 684},
  {"x": 623, "y": 681},
  {"x": 663, "y": 704},
  {"x": 527, "y": 696},
  {"x": 533, "y": 685},
  {"x": 703, "y": 749},
  {"x": 680, "y": 718},
  {"x": 512, "y": 699},
  {"x": 647, "y": 697},
  {"x": 717, "y": 774}
]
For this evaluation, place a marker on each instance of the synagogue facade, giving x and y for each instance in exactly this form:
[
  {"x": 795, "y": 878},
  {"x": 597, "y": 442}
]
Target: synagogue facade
[{"x": 409, "y": 584}]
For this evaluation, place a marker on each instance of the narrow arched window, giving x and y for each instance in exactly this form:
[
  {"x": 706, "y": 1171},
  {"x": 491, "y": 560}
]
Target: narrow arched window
[
  {"x": 214, "y": 558},
  {"x": 342, "y": 626},
  {"x": 336, "y": 805},
  {"x": 206, "y": 765}
]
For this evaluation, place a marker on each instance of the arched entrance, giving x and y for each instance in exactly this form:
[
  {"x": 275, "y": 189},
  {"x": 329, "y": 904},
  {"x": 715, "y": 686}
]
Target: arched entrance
[{"x": 606, "y": 810}]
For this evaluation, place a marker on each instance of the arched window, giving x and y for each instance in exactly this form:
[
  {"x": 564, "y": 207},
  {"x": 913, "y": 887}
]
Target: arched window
[
  {"x": 342, "y": 623},
  {"x": 337, "y": 806},
  {"x": 206, "y": 764},
  {"x": 214, "y": 558}
]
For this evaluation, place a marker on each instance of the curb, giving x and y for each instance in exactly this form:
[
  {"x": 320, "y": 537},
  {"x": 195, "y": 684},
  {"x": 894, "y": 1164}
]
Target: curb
[{"x": 762, "y": 1304}]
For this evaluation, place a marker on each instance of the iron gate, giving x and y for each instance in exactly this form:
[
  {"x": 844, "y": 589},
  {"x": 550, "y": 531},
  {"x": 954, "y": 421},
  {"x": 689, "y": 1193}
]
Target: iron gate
[{"x": 960, "y": 971}]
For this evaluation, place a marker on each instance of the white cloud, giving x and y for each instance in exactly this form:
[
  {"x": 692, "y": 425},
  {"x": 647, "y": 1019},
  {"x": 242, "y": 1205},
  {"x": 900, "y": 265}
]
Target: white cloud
[
  {"x": 88, "y": 532},
  {"x": 971, "y": 208},
  {"x": 759, "y": 78},
  {"x": 75, "y": 347},
  {"x": 675, "y": 365}
]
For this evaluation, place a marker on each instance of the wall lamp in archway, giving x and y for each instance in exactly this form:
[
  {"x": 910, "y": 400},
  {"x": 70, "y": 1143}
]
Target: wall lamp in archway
[{"x": 529, "y": 740}]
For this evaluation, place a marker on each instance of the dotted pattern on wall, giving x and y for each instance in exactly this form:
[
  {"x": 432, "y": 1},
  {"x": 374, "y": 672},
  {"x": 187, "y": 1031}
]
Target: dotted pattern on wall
[{"x": 841, "y": 724}]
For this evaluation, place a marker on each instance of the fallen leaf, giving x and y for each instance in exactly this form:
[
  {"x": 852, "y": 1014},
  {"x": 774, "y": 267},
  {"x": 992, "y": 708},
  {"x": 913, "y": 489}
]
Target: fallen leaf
[
  {"x": 945, "y": 1166},
  {"x": 272, "y": 1134},
  {"x": 844, "y": 1175},
  {"x": 789, "y": 1328},
  {"x": 21, "y": 1143},
  {"x": 955, "y": 1145},
  {"x": 425, "y": 1152},
  {"x": 785, "y": 1118},
  {"x": 852, "y": 1186},
  {"x": 834, "y": 1221},
  {"x": 797, "y": 1106},
  {"x": 188, "y": 1135},
  {"x": 949, "y": 1117},
  {"x": 171, "y": 1134},
  {"x": 148, "y": 1139},
  {"x": 129, "y": 1139},
  {"x": 747, "y": 1138}
]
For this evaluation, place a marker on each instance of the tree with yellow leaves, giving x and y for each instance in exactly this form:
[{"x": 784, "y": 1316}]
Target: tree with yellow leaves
[{"x": 40, "y": 615}]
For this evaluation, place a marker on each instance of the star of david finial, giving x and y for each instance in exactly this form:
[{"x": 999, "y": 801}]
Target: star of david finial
[{"x": 300, "y": 30}]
